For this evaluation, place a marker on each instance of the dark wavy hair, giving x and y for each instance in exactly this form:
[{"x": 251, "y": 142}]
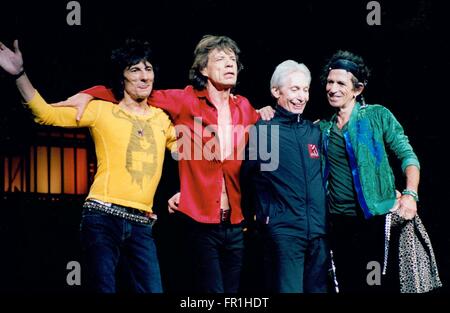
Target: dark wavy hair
[
  {"x": 363, "y": 70},
  {"x": 207, "y": 44},
  {"x": 131, "y": 53}
]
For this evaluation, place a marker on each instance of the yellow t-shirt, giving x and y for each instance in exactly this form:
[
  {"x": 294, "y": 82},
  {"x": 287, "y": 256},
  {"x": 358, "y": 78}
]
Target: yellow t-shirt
[{"x": 129, "y": 148}]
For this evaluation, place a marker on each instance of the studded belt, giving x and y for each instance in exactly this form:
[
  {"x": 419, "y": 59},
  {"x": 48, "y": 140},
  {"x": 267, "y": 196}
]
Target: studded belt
[{"x": 130, "y": 214}]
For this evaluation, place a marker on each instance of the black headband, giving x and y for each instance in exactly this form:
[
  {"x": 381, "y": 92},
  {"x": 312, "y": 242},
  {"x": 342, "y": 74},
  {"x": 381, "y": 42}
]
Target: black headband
[{"x": 349, "y": 66}]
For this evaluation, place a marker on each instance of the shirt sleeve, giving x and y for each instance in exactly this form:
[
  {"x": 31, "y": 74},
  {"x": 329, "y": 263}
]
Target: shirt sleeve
[
  {"x": 170, "y": 100},
  {"x": 397, "y": 141},
  {"x": 249, "y": 169},
  {"x": 254, "y": 116},
  {"x": 101, "y": 92},
  {"x": 250, "y": 163},
  {"x": 171, "y": 138},
  {"x": 46, "y": 114}
]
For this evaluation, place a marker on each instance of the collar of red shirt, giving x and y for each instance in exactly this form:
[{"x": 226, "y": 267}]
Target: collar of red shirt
[{"x": 204, "y": 94}]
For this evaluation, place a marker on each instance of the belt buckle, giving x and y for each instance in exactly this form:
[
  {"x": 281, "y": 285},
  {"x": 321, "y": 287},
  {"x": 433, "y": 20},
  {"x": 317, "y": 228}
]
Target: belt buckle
[
  {"x": 224, "y": 216},
  {"x": 151, "y": 217}
]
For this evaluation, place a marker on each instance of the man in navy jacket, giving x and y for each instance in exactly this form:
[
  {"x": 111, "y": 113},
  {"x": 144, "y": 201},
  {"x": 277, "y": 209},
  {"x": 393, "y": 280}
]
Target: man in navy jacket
[{"x": 287, "y": 193}]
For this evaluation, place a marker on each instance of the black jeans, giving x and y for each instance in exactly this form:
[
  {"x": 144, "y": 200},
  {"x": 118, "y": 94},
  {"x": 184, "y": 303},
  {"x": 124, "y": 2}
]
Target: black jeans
[
  {"x": 296, "y": 265},
  {"x": 218, "y": 252},
  {"x": 355, "y": 242}
]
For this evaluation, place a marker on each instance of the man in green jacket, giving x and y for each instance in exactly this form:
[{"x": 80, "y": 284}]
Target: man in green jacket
[{"x": 360, "y": 180}]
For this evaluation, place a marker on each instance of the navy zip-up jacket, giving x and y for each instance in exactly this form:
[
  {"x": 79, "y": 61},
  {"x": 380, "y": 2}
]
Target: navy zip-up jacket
[{"x": 281, "y": 176}]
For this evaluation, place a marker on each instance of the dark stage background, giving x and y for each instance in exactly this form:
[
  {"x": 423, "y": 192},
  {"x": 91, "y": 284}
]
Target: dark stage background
[{"x": 407, "y": 53}]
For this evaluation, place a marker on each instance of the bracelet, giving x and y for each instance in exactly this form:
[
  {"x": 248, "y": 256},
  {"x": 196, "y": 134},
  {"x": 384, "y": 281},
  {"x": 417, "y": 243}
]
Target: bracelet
[
  {"x": 411, "y": 193},
  {"x": 17, "y": 76}
]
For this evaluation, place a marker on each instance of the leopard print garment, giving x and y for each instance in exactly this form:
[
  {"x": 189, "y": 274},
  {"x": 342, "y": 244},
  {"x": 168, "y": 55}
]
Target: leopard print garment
[{"x": 417, "y": 263}]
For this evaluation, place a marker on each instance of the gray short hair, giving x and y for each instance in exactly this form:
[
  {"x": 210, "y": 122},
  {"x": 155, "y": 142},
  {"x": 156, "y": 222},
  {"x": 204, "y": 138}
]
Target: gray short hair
[{"x": 284, "y": 69}]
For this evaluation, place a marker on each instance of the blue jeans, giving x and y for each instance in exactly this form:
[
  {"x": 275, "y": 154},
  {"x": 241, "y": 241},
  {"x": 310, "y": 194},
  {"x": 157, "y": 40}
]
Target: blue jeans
[{"x": 106, "y": 239}]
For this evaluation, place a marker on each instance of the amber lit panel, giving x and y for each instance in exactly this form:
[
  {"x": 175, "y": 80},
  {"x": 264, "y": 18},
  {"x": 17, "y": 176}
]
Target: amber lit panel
[
  {"x": 55, "y": 170},
  {"x": 6, "y": 178},
  {"x": 82, "y": 171},
  {"x": 32, "y": 170},
  {"x": 24, "y": 173},
  {"x": 42, "y": 170},
  {"x": 16, "y": 174},
  {"x": 69, "y": 171}
]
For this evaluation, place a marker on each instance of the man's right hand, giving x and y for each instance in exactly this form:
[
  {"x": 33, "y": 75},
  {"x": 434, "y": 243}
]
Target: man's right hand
[
  {"x": 173, "y": 203},
  {"x": 11, "y": 61},
  {"x": 78, "y": 101}
]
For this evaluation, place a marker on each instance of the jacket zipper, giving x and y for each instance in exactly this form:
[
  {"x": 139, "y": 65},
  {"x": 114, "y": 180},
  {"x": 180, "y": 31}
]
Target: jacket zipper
[{"x": 305, "y": 176}]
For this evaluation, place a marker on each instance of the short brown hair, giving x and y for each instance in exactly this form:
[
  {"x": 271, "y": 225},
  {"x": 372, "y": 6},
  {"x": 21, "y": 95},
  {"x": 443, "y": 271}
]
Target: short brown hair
[{"x": 207, "y": 44}]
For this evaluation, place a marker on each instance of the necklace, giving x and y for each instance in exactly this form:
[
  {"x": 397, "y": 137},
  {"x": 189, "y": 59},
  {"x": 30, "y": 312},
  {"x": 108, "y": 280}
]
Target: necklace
[
  {"x": 135, "y": 121},
  {"x": 140, "y": 130}
]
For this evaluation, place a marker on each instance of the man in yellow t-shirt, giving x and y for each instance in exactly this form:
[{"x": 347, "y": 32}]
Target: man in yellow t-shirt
[{"x": 130, "y": 139}]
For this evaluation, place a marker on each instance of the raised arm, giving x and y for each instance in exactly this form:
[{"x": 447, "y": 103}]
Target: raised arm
[
  {"x": 78, "y": 101},
  {"x": 12, "y": 63},
  {"x": 159, "y": 99}
]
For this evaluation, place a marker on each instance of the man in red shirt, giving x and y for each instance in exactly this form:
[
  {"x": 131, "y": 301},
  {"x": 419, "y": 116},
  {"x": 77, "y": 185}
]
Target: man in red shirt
[{"x": 212, "y": 129}]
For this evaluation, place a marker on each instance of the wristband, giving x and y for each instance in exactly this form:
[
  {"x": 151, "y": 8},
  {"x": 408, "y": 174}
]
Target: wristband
[
  {"x": 17, "y": 76},
  {"x": 412, "y": 193}
]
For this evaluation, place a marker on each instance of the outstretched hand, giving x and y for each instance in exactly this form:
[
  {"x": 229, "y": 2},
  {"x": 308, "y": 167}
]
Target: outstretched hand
[
  {"x": 266, "y": 113},
  {"x": 78, "y": 101},
  {"x": 11, "y": 61}
]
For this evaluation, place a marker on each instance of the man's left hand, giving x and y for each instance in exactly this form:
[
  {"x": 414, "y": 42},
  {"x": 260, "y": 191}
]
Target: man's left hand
[
  {"x": 267, "y": 113},
  {"x": 407, "y": 207}
]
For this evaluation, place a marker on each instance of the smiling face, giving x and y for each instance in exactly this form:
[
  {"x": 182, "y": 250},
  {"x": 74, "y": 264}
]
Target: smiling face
[
  {"x": 221, "y": 69},
  {"x": 138, "y": 80},
  {"x": 341, "y": 92},
  {"x": 294, "y": 92}
]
